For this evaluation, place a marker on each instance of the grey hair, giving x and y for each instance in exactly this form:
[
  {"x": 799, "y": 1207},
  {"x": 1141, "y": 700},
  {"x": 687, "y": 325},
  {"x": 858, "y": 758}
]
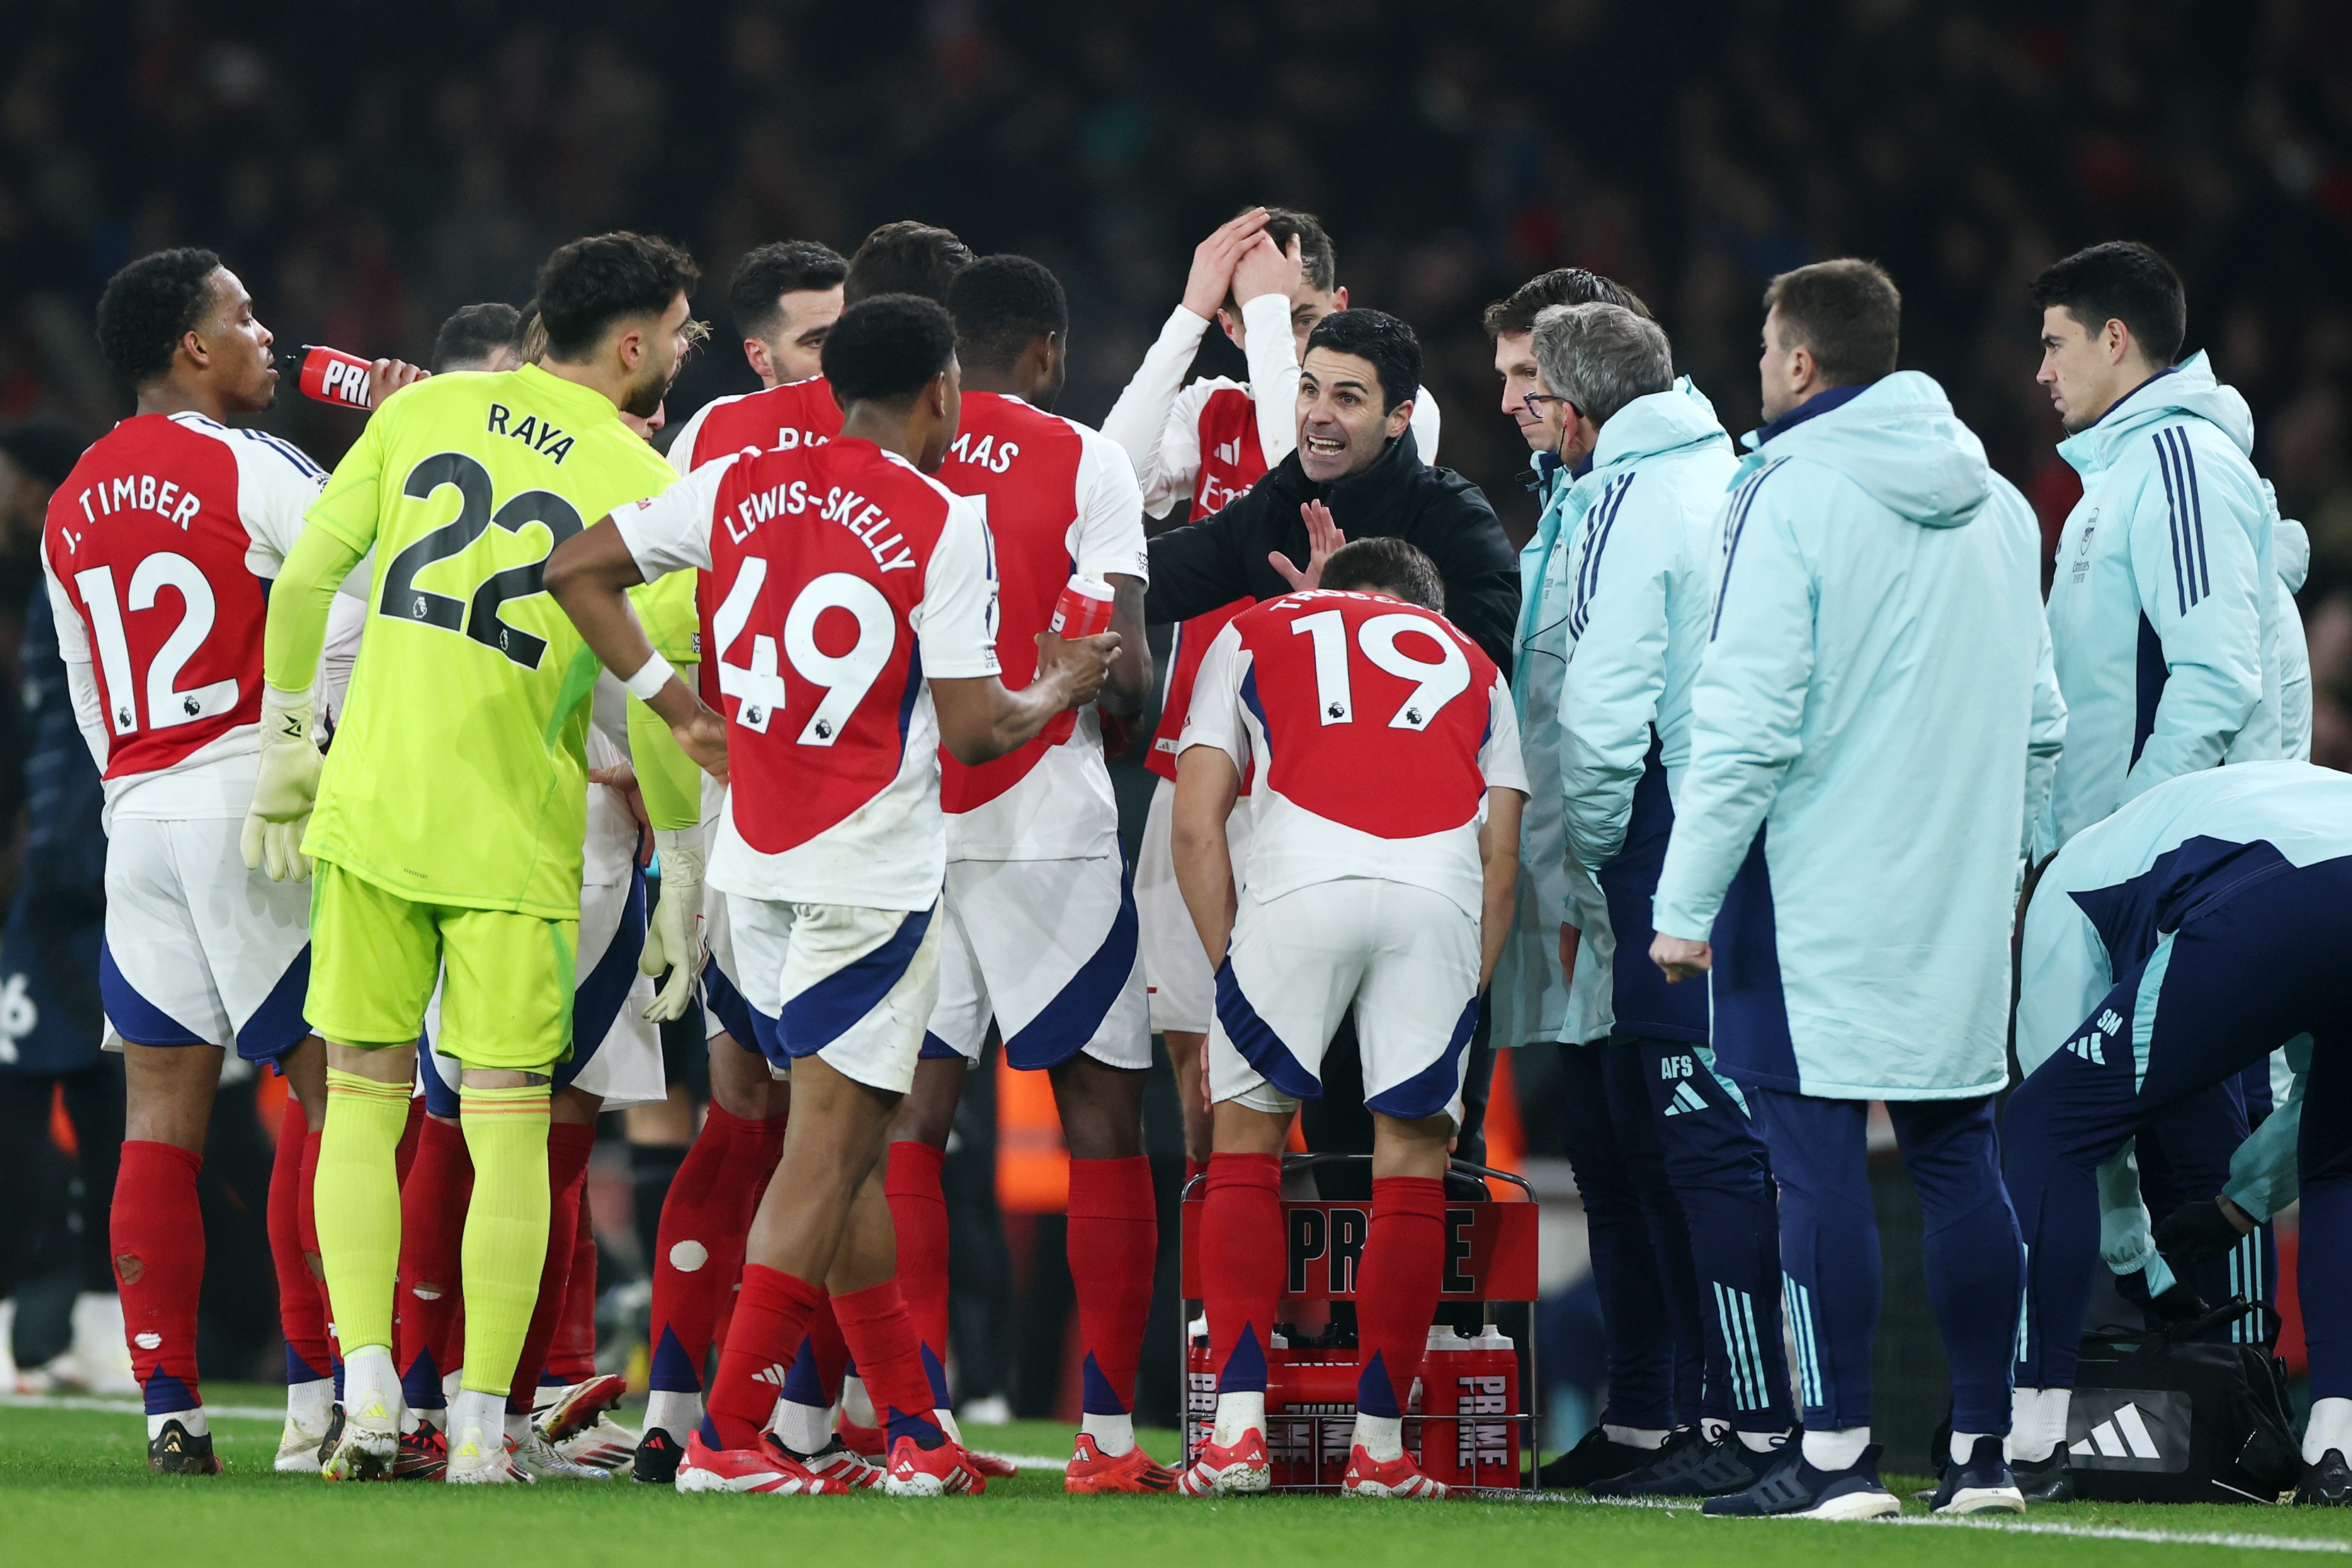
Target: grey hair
[{"x": 1601, "y": 357}]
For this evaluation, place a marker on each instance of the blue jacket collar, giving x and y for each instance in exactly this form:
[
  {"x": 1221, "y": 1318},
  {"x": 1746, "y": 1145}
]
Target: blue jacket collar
[
  {"x": 1818, "y": 402},
  {"x": 2114, "y": 407}
]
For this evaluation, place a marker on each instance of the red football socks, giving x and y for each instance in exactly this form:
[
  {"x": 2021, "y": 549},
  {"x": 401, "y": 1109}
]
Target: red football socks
[
  {"x": 919, "y": 1213},
  {"x": 882, "y": 1337},
  {"x": 158, "y": 1239},
  {"x": 1397, "y": 1288},
  {"x": 771, "y": 1316},
  {"x": 432, "y": 1232},
  {"x": 572, "y": 1358},
  {"x": 829, "y": 1350},
  {"x": 569, "y": 1144},
  {"x": 1113, "y": 1243},
  {"x": 698, "y": 1248},
  {"x": 1242, "y": 1264},
  {"x": 301, "y": 1303}
]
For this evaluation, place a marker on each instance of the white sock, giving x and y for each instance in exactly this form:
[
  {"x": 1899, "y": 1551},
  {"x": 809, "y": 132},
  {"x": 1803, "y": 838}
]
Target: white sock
[
  {"x": 1712, "y": 1428},
  {"x": 311, "y": 1405},
  {"x": 1963, "y": 1445},
  {"x": 371, "y": 1387},
  {"x": 856, "y": 1405},
  {"x": 2037, "y": 1422},
  {"x": 518, "y": 1424},
  {"x": 676, "y": 1414},
  {"x": 1381, "y": 1436},
  {"x": 192, "y": 1418},
  {"x": 1836, "y": 1450},
  {"x": 1113, "y": 1435},
  {"x": 944, "y": 1419},
  {"x": 476, "y": 1421},
  {"x": 1761, "y": 1442},
  {"x": 1637, "y": 1437},
  {"x": 802, "y": 1428},
  {"x": 453, "y": 1383},
  {"x": 1237, "y": 1413},
  {"x": 2330, "y": 1427}
]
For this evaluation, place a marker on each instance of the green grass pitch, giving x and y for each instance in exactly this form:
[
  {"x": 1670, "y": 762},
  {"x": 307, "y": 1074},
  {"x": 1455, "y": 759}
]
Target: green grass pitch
[{"x": 74, "y": 1490}]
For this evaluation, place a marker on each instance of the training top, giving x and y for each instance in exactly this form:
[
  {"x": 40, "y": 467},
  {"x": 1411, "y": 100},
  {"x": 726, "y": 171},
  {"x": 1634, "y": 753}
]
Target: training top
[
  {"x": 1059, "y": 499},
  {"x": 847, "y": 580},
  {"x": 1872, "y": 729},
  {"x": 158, "y": 549},
  {"x": 458, "y": 773},
  {"x": 1205, "y": 443},
  {"x": 1376, "y": 728},
  {"x": 2164, "y": 609}
]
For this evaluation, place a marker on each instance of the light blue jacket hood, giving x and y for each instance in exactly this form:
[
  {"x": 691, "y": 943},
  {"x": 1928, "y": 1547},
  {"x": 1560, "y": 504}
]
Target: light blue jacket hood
[
  {"x": 2187, "y": 388},
  {"x": 1901, "y": 442},
  {"x": 1655, "y": 425}
]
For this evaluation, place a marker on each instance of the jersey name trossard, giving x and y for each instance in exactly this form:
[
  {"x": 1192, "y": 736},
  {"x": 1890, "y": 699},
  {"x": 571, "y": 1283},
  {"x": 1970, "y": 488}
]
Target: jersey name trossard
[
  {"x": 457, "y": 775},
  {"x": 1376, "y": 728},
  {"x": 844, "y": 579}
]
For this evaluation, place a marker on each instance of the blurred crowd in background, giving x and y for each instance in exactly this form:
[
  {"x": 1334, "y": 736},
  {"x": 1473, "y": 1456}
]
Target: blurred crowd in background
[{"x": 366, "y": 170}]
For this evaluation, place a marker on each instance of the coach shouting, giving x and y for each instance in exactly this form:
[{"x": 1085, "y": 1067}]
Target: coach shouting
[{"x": 1355, "y": 474}]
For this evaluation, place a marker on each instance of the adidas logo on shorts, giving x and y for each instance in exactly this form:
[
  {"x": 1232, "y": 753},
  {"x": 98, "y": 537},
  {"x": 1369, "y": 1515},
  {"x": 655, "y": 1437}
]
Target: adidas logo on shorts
[{"x": 1687, "y": 1100}]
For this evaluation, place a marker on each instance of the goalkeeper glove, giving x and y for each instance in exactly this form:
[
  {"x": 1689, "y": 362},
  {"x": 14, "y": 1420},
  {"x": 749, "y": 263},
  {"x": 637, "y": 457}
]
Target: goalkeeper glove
[
  {"x": 285, "y": 787},
  {"x": 2198, "y": 1233},
  {"x": 672, "y": 937}
]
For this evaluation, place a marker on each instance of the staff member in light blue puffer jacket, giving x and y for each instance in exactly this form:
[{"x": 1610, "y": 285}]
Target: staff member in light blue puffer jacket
[
  {"x": 1855, "y": 807},
  {"x": 2163, "y": 616},
  {"x": 1641, "y": 572}
]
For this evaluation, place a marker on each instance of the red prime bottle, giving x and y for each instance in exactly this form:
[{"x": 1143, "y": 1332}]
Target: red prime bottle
[
  {"x": 330, "y": 376},
  {"x": 1083, "y": 609}
]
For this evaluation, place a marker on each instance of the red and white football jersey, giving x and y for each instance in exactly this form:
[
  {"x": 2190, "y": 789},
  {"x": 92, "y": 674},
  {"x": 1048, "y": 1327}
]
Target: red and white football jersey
[
  {"x": 1376, "y": 728},
  {"x": 1059, "y": 499},
  {"x": 844, "y": 578},
  {"x": 158, "y": 549},
  {"x": 1230, "y": 459},
  {"x": 775, "y": 419}
]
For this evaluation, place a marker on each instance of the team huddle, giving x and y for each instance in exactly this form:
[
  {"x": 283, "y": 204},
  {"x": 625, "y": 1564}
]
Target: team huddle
[{"x": 1733, "y": 786}]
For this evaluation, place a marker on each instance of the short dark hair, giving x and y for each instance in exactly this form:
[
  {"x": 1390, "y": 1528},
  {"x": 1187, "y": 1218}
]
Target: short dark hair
[
  {"x": 1516, "y": 312},
  {"x": 473, "y": 334},
  {"x": 1390, "y": 563},
  {"x": 1001, "y": 303},
  {"x": 589, "y": 284},
  {"x": 888, "y": 348},
  {"x": 1847, "y": 311},
  {"x": 1319, "y": 262},
  {"x": 150, "y": 306},
  {"x": 1380, "y": 337},
  {"x": 905, "y": 257},
  {"x": 768, "y": 273},
  {"x": 2122, "y": 280}
]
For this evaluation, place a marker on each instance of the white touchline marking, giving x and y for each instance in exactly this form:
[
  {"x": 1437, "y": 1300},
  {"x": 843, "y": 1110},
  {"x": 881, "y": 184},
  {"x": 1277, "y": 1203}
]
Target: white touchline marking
[
  {"x": 2126, "y": 1533},
  {"x": 129, "y": 1407}
]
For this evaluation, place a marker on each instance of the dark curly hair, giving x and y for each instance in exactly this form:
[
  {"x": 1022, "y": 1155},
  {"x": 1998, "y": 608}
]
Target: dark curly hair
[
  {"x": 148, "y": 306},
  {"x": 886, "y": 349},
  {"x": 905, "y": 257},
  {"x": 589, "y": 284}
]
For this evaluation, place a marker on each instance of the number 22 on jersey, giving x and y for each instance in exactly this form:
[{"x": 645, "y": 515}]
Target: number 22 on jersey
[{"x": 476, "y": 614}]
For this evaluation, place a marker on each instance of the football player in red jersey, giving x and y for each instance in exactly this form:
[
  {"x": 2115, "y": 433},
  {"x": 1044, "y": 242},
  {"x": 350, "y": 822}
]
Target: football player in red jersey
[
  {"x": 1040, "y": 922},
  {"x": 782, "y": 296},
  {"x": 857, "y": 634},
  {"x": 156, "y": 551},
  {"x": 1394, "y": 902},
  {"x": 1267, "y": 276}
]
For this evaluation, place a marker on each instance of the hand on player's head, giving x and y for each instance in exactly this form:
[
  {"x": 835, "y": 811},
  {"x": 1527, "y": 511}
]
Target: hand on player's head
[{"x": 1212, "y": 262}]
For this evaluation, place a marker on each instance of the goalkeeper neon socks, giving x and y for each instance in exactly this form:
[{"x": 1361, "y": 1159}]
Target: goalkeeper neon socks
[
  {"x": 918, "y": 1217},
  {"x": 157, "y": 1234},
  {"x": 882, "y": 1337},
  {"x": 1396, "y": 1294},
  {"x": 358, "y": 1200},
  {"x": 771, "y": 1315},
  {"x": 569, "y": 1145},
  {"x": 698, "y": 1248},
  {"x": 302, "y": 1309},
  {"x": 1241, "y": 1265},
  {"x": 1114, "y": 1243},
  {"x": 506, "y": 1227},
  {"x": 432, "y": 1222}
]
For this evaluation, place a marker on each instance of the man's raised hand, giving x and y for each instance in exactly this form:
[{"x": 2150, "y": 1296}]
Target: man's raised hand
[{"x": 1323, "y": 540}]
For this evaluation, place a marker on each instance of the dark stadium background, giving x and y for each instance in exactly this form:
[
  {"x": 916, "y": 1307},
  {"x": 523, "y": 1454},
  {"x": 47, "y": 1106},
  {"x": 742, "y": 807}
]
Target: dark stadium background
[{"x": 368, "y": 168}]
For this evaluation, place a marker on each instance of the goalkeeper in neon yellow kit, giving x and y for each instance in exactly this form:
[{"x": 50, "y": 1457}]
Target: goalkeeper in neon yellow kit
[{"x": 448, "y": 820}]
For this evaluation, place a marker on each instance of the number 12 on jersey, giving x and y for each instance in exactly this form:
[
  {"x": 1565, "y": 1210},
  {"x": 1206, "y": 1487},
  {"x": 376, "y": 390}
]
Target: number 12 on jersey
[{"x": 166, "y": 705}]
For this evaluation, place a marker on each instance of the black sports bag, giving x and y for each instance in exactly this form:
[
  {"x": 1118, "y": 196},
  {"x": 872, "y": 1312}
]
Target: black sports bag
[{"x": 2161, "y": 1416}]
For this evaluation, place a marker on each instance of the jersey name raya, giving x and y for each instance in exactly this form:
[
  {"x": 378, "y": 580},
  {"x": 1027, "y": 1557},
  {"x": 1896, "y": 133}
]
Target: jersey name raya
[
  {"x": 1323, "y": 690},
  {"x": 845, "y": 578}
]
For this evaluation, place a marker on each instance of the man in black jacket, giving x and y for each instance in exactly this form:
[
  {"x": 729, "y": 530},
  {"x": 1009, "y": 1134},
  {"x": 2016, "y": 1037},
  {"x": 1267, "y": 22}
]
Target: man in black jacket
[{"x": 1354, "y": 475}]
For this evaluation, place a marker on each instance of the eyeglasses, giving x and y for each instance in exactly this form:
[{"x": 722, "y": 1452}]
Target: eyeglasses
[{"x": 1536, "y": 400}]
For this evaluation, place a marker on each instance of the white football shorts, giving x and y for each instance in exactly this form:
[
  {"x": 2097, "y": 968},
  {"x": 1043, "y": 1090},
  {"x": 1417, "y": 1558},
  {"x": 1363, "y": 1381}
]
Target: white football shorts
[
  {"x": 849, "y": 985},
  {"x": 1404, "y": 957},
  {"x": 1183, "y": 990},
  {"x": 1049, "y": 948},
  {"x": 198, "y": 949}
]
